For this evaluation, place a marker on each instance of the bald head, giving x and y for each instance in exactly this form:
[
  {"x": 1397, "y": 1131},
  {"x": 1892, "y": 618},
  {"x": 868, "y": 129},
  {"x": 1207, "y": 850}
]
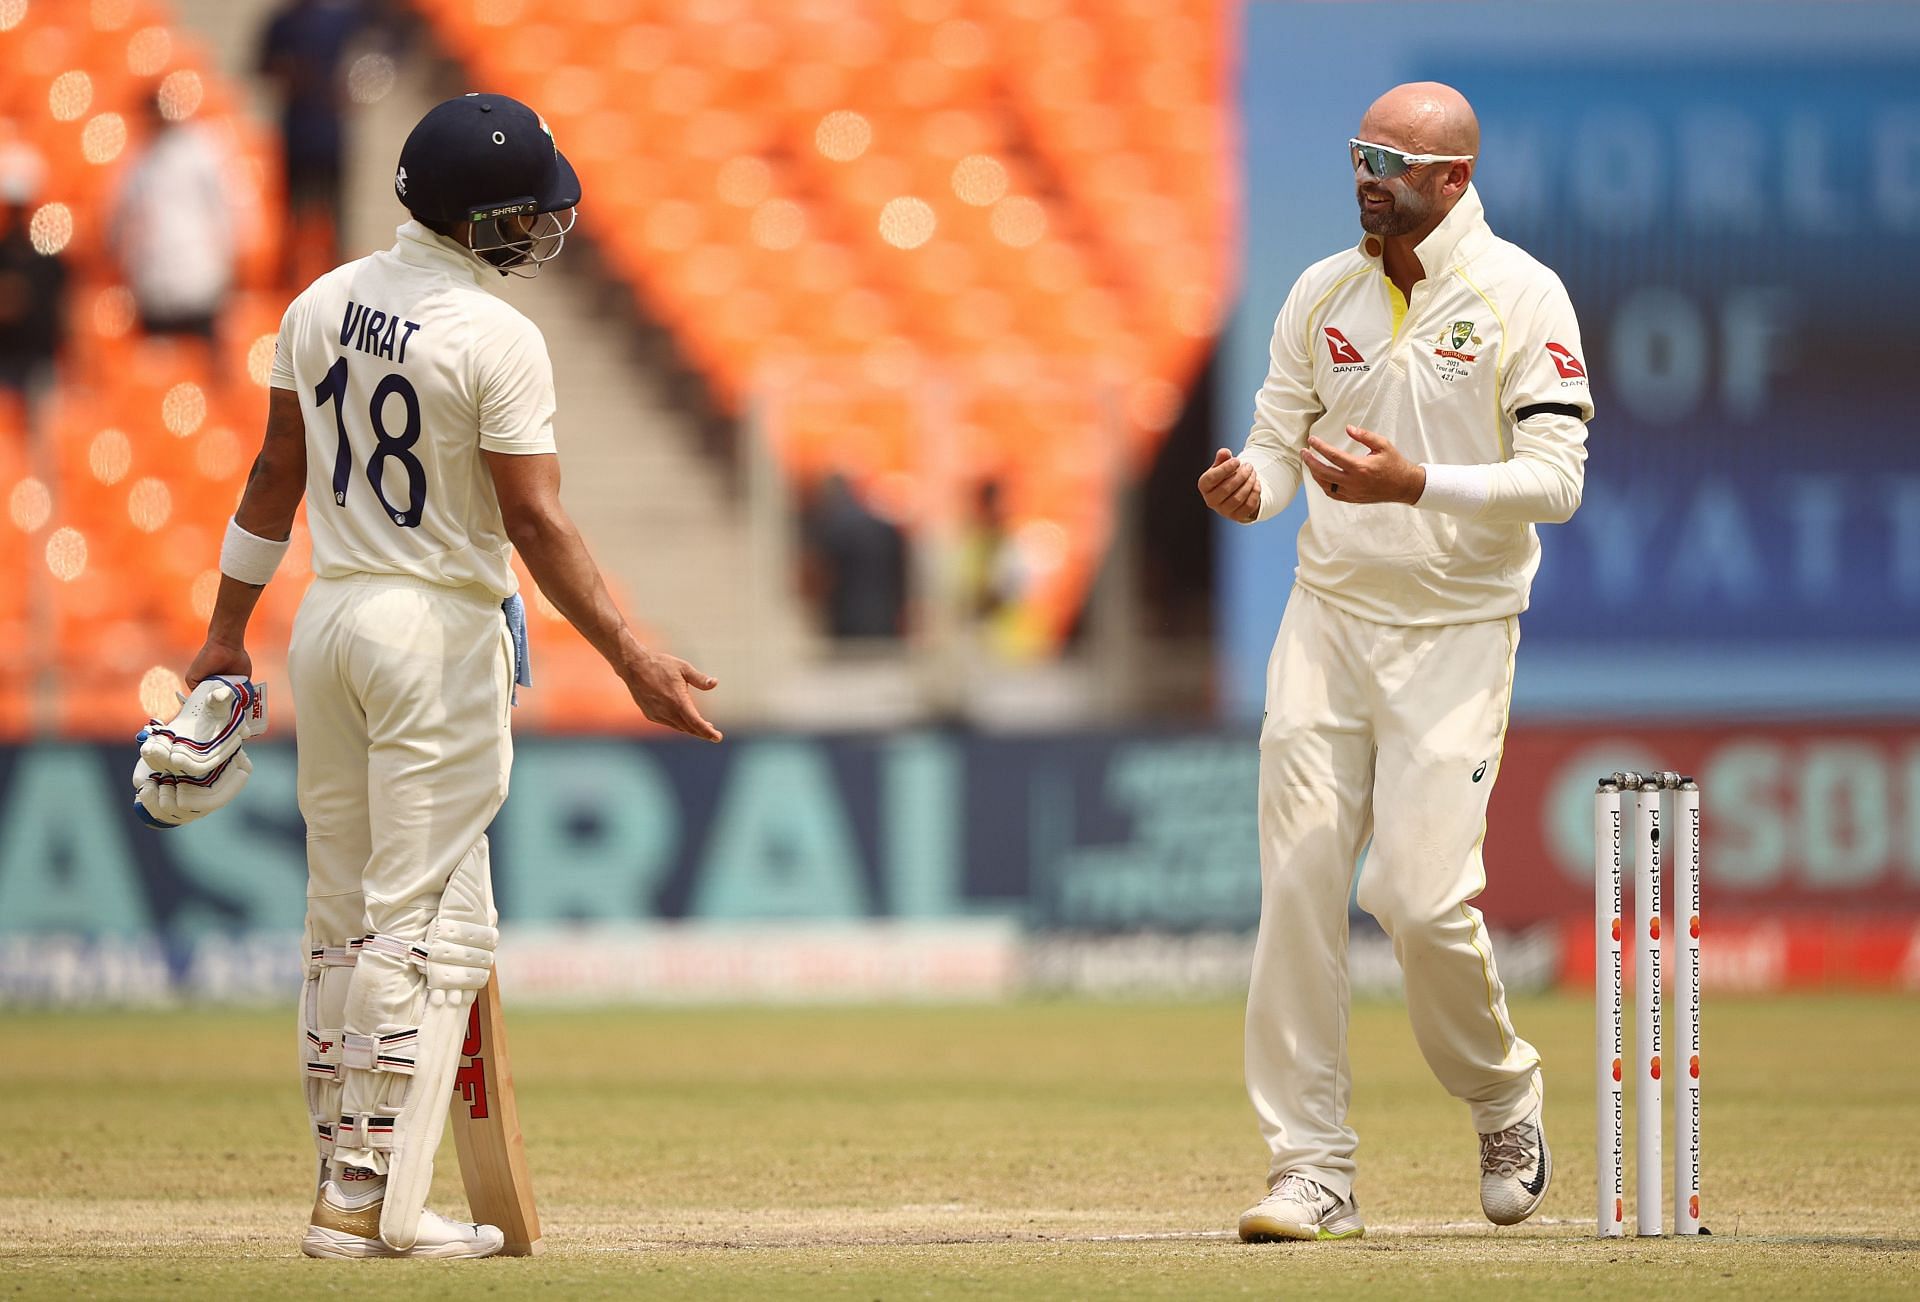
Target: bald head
[{"x": 1423, "y": 117}]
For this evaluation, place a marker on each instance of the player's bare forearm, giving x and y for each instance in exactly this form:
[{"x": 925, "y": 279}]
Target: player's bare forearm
[
  {"x": 279, "y": 474},
  {"x": 528, "y": 487},
  {"x": 266, "y": 510},
  {"x": 232, "y": 611},
  {"x": 557, "y": 557}
]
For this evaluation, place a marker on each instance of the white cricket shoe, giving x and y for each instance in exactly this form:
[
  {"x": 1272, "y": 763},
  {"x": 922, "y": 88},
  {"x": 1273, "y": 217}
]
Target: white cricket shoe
[
  {"x": 350, "y": 1228},
  {"x": 1515, "y": 1169},
  {"x": 1298, "y": 1207}
]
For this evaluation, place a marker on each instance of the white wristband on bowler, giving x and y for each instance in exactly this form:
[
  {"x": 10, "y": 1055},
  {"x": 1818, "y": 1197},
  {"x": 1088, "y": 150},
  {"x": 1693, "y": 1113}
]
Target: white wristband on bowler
[
  {"x": 1456, "y": 490},
  {"x": 248, "y": 558}
]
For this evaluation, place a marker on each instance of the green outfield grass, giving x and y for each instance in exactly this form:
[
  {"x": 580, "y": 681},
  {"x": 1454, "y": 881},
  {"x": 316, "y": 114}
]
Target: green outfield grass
[{"x": 1041, "y": 1150}]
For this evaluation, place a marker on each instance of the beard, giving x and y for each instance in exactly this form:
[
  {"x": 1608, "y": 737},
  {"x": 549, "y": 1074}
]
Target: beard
[{"x": 1407, "y": 209}]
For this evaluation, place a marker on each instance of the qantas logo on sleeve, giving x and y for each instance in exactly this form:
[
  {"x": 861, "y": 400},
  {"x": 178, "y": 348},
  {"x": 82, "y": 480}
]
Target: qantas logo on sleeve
[
  {"x": 1343, "y": 353},
  {"x": 1566, "y": 363}
]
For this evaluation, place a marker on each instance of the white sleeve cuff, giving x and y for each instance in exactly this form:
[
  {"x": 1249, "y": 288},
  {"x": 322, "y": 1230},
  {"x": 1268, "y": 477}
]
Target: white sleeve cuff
[
  {"x": 1456, "y": 490},
  {"x": 1270, "y": 500}
]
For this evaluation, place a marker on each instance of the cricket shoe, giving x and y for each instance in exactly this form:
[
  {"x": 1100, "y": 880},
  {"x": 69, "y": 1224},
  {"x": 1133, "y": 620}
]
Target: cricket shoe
[
  {"x": 348, "y": 1227},
  {"x": 1300, "y": 1208},
  {"x": 1515, "y": 1169}
]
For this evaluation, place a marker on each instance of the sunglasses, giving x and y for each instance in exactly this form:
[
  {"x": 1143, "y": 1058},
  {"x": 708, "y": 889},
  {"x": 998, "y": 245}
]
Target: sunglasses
[{"x": 1385, "y": 162}]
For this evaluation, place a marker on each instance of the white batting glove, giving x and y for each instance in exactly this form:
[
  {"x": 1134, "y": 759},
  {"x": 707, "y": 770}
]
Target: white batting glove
[
  {"x": 163, "y": 800},
  {"x": 216, "y": 717}
]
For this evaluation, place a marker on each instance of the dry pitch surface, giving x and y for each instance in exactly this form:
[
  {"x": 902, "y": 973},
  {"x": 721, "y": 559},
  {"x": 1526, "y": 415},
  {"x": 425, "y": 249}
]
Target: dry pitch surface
[{"x": 1043, "y": 1150}]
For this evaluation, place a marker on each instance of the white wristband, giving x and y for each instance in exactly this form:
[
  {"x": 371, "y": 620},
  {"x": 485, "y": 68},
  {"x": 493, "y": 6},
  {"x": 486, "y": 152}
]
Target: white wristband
[
  {"x": 1456, "y": 490},
  {"x": 250, "y": 559}
]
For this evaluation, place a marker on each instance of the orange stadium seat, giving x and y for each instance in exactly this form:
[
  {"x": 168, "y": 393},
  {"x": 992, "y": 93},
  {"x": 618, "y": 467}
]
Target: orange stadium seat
[
  {"x": 750, "y": 176},
  {"x": 1092, "y": 236},
  {"x": 140, "y": 436}
]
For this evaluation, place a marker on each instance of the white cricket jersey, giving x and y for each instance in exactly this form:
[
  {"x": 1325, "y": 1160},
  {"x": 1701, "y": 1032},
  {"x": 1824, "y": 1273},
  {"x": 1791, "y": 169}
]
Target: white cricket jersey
[
  {"x": 1464, "y": 377},
  {"x": 406, "y": 368}
]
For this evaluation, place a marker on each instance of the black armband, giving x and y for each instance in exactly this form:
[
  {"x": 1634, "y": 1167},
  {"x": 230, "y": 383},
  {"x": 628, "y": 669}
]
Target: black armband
[{"x": 1548, "y": 409}]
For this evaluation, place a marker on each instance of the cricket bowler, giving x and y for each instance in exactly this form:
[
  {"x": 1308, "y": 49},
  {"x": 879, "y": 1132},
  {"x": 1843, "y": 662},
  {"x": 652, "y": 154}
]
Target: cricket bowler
[
  {"x": 414, "y": 412},
  {"x": 1430, "y": 382}
]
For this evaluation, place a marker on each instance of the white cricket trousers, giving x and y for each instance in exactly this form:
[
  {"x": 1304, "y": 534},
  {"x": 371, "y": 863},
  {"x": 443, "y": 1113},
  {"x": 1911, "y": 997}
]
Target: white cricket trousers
[
  {"x": 401, "y": 693},
  {"x": 1391, "y": 733}
]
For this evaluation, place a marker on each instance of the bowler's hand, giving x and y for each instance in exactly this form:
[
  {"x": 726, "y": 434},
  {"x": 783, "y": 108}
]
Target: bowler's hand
[
  {"x": 1230, "y": 487},
  {"x": 1381, "y": 474},
  {"x": 660, "y": 687}
]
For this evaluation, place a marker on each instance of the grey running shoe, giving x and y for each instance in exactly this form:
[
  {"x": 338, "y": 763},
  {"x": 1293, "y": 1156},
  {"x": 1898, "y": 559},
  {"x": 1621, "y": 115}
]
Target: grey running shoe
[
  {"x": 1515, "y": 1168},
  {"x": 1298, "y": 1207}
]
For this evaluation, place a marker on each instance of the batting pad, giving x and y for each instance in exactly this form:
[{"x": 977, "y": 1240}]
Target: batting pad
[
  {"x": 459, "y": 957},
  {"x": 404, "y": 1017},
  {"x": 323, "y": 1001}
]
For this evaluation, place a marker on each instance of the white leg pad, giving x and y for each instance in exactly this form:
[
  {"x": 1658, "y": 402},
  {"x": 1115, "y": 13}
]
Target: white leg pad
[
  {"x": 398, "y": 1075},
  {"x": 389, "y": 999},
  {"x": 323, "y": 1000},
  {"x": 416, "y": 1128}
]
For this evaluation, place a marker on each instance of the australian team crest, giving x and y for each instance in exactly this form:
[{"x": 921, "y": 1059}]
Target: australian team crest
[
  {"x": 1450, "y": 347},
  {"x": 1454, "y": 339}
]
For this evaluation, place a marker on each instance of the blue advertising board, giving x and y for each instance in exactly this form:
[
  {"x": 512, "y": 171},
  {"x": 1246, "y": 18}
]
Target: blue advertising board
[
  {"x": 789, "y": 857},
  {"x": 1084, "y": 832}
]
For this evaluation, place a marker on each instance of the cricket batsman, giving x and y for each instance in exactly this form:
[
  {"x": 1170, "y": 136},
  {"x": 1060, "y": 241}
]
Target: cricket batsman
[
  {"x": 414, "y": 412},
  {"x": 1429, "y": 381}
]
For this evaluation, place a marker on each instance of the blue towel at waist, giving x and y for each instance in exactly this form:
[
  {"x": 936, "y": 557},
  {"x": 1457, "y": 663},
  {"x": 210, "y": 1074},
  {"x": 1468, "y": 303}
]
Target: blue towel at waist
[{"x": 516, "y": 612}]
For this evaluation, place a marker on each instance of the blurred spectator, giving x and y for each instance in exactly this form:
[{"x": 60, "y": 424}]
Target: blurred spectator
[
  {"x": 990, "y": 570},
  {"x": 301, "y": 53},
  {"x": 859, "y": 559},
  {"x": 174, "y": 229},
  {"x": 995, "y": 576},
  {"x": 32, "y": 283},
  {"x": 22, "y": 168}
]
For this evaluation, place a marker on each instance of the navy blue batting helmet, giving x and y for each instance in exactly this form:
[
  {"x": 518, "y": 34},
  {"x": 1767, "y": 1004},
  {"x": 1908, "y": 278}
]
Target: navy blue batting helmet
[{"x": 480, "y": 157}]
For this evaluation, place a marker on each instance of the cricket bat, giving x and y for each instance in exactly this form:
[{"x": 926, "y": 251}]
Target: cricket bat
[{"x": 486, "y": 1129}]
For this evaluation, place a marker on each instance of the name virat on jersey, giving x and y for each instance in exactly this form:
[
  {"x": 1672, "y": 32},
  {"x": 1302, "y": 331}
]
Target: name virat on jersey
[{"x": 374, "y": 332}]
